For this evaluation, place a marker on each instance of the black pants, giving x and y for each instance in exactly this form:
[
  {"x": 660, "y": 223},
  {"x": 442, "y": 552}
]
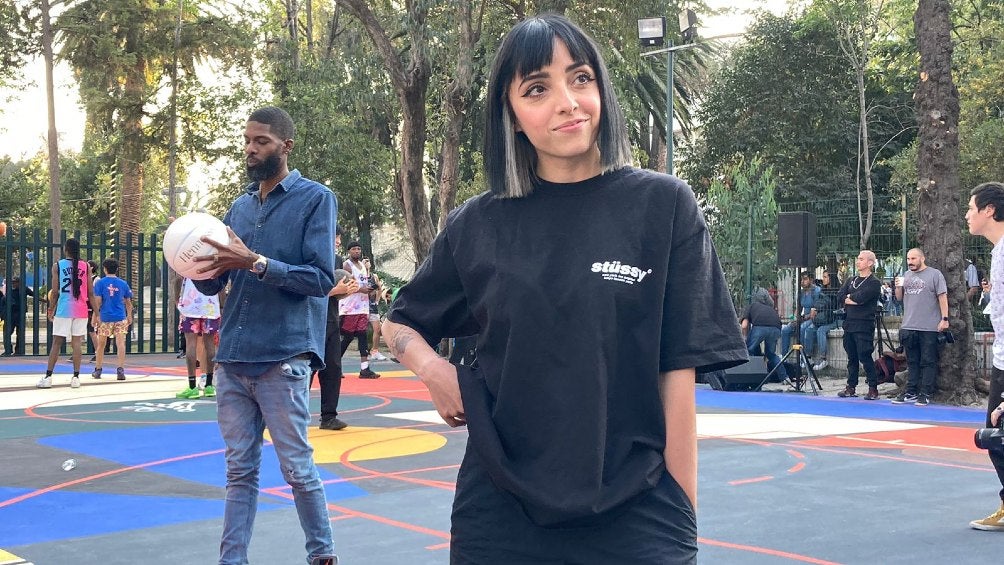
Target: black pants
[
  {"x": 921, "y": 350},
  {"x": 330, "y": 377},
  {"x": 490, "y": 527},
  {"x": 859, "y": 347},
  {"x": 364, "y": 342},
  {"x": 15, "y": 322},
  {"x": 994, "y": 400}
]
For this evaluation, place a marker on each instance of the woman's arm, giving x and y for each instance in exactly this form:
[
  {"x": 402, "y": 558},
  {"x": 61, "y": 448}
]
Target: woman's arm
[
  {"x": 680, "y": 409},
  {"x": 436, "y": 373}
]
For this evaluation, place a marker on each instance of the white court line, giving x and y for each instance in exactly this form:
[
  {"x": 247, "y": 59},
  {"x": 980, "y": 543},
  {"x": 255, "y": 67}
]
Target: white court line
[
  {"x": 748, "y": 426},
  {"x": 427, "y": 416}
]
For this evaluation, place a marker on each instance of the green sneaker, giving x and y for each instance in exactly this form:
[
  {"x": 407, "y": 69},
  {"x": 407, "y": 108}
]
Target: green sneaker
[
  {"x": 210, "y": 391},
  {"x": 189, "y": 393}
]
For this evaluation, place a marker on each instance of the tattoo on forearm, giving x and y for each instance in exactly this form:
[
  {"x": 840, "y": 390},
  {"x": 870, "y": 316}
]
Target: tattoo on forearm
[{"x": 399, "y": 342}]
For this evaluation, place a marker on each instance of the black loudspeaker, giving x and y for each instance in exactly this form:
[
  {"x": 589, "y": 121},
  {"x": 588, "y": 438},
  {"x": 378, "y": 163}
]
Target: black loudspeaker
[
  {"x": 747, "y": 376},
  {"x": 796, "y": 239}
]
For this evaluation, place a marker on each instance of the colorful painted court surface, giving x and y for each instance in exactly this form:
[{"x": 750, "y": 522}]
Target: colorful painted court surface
[{"x": 784, "y": 478}]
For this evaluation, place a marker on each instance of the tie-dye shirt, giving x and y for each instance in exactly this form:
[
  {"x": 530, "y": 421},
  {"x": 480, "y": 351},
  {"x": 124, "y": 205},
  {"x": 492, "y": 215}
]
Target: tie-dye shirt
[
  {"x": 194, "y": 304},
  {"x": 68, "y": 306}
]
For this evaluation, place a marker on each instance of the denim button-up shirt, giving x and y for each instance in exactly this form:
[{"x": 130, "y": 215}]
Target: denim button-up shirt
[{"x": 282, "y": 314}]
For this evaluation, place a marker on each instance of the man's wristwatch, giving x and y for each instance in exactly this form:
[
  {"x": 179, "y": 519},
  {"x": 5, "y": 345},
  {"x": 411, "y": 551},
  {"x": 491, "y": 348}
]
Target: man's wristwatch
[
  {"x": 944, "y": 318},
  {"x": 259, "y": 265}
]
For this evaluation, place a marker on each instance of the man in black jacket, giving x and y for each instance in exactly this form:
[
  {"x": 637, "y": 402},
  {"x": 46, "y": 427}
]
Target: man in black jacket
[
  {"x": 13, "y": 314},
  {"x": 859, "y": 296}
]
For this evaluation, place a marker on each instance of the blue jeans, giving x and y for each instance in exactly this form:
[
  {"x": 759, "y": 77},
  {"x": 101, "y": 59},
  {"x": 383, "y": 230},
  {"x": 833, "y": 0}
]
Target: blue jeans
[
  {"x": 786, "y": 334},
  {"x": 814, "y": 339},
  {"x": 768, "y": 337},
  {"x": 278, "y": 399}
]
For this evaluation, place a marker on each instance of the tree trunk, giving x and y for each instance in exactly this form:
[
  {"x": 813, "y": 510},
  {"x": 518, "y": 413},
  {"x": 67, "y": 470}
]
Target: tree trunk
[
  {"x": 131, "y": 158},
  {"x": 410, "y": 85},
  {"x": 459, "y": 94},
  {"x": 657, "y": 157},
  {"x": 940, "y": 219},
  {"x": 411, "y": 178},
  {"x": 55, "y": 199},
  {"x": 865, "y": 154},
  {"x": 292, "y": 14}
]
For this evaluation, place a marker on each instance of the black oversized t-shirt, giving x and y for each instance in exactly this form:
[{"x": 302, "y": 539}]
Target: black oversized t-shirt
[{"x": 581, "y": 294}]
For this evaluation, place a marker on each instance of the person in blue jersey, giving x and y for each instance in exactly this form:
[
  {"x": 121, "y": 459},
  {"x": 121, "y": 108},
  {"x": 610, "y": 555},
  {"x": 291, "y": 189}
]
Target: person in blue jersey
[
  {"x": 112, "y": 316},
  {"x": 580, "y": 408},
  {"x": 68, "y": 309}
]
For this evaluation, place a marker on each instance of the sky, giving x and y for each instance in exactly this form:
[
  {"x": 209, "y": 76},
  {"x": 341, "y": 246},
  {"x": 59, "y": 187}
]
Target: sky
[{"x": 23, "y": 121}]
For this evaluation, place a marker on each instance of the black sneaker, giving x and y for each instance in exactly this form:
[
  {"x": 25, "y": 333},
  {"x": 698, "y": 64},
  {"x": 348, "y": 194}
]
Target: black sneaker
[
  {"x": 324, "y": 560},
  {"x": 906, "y": 398},
  {"x": 332, "y": 424},
  {"x": 922, "y": 400},
  {"x": 368, "y": 373},
  {"x": 120, "y": 374}
]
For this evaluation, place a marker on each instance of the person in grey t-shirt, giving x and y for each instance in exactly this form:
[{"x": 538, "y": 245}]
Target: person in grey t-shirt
[{"x": 925, "y": 314}]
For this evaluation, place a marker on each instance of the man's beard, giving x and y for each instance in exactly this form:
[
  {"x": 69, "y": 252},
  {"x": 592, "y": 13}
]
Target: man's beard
[{"x": 266, "y": 169}]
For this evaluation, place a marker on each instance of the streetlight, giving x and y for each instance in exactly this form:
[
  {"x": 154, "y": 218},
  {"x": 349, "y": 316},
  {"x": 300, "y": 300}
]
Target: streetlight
[{"x": 651, "y": 33}]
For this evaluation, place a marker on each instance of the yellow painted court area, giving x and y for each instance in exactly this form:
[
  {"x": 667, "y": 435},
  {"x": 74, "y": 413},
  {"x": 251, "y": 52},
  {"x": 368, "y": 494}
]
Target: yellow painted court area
[
  {"x": 359, "y": 443},
  {"x": 7, "y": 558}
]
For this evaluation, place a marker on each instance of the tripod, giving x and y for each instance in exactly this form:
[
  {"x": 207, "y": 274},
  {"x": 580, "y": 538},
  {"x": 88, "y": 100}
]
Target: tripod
[{"x": 798, "y": 379}]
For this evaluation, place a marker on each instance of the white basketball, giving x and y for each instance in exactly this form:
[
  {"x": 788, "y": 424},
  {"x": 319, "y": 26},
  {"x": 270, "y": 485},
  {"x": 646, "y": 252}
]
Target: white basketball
[{"x": 183, "y": 243}]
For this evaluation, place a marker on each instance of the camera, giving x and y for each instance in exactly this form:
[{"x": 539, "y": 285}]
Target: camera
[
  {"x": 990, "y": 438},
  {"x": 946, "y": 337}
]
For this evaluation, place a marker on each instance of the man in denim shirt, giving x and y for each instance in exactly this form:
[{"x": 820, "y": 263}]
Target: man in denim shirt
[{"x": 280, "y": 265}]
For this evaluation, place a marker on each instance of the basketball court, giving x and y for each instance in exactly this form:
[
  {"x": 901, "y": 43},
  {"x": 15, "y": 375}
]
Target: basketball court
[{"x": 784, "y": 478}]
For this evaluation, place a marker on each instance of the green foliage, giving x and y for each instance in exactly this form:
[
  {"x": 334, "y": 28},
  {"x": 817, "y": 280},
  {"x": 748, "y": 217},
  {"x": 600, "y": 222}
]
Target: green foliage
[
  {"x": 979, "y": 64},
  {"x": 787, "y": 93},
  {"x": 123, "y": 53},
  {"x": 19, "y": 29},
  {"x": 23, "y": 193},
  {"x": 742, "y": 216},
  {"x": 784, "y": 95}
]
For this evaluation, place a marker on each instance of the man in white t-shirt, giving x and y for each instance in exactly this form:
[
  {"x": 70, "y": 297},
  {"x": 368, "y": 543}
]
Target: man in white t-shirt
[
  {"x": 355, "y": 310},
  {"x": 985, "y": 217},
  {"x": 200, "y": 323}
]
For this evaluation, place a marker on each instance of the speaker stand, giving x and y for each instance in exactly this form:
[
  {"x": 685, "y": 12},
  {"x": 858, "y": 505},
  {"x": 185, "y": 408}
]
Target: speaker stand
[{"x": 797, "y": 380}]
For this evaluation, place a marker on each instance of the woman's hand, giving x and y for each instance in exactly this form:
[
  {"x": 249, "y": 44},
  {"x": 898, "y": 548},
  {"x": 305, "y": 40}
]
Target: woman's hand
[{"x": 440, "y": 377}]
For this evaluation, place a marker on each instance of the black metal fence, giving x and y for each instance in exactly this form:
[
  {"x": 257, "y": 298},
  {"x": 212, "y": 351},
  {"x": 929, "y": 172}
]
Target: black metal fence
[{"x": 30, "y": 254}]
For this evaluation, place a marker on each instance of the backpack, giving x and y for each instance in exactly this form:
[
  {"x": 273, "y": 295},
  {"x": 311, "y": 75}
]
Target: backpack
[{"x": 889, "y": 361}]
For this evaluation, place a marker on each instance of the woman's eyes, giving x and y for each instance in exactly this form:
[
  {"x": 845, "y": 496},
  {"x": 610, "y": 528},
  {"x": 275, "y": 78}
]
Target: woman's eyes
[{"x": 579, "y": 79}]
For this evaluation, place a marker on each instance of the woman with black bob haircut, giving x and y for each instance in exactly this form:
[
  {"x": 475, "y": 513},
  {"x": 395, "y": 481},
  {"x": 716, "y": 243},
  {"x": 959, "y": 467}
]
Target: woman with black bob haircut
[
  {"x": 595, "y": 293},
  {"x": 510, "y": 159}
]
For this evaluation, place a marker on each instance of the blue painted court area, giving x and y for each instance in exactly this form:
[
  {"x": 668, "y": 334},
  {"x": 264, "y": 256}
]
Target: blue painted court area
[{"x": 784, "y": 478}]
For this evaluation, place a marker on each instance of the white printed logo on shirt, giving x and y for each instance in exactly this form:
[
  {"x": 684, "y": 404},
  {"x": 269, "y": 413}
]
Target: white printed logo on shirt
[{"x": 620, "y": 272}]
